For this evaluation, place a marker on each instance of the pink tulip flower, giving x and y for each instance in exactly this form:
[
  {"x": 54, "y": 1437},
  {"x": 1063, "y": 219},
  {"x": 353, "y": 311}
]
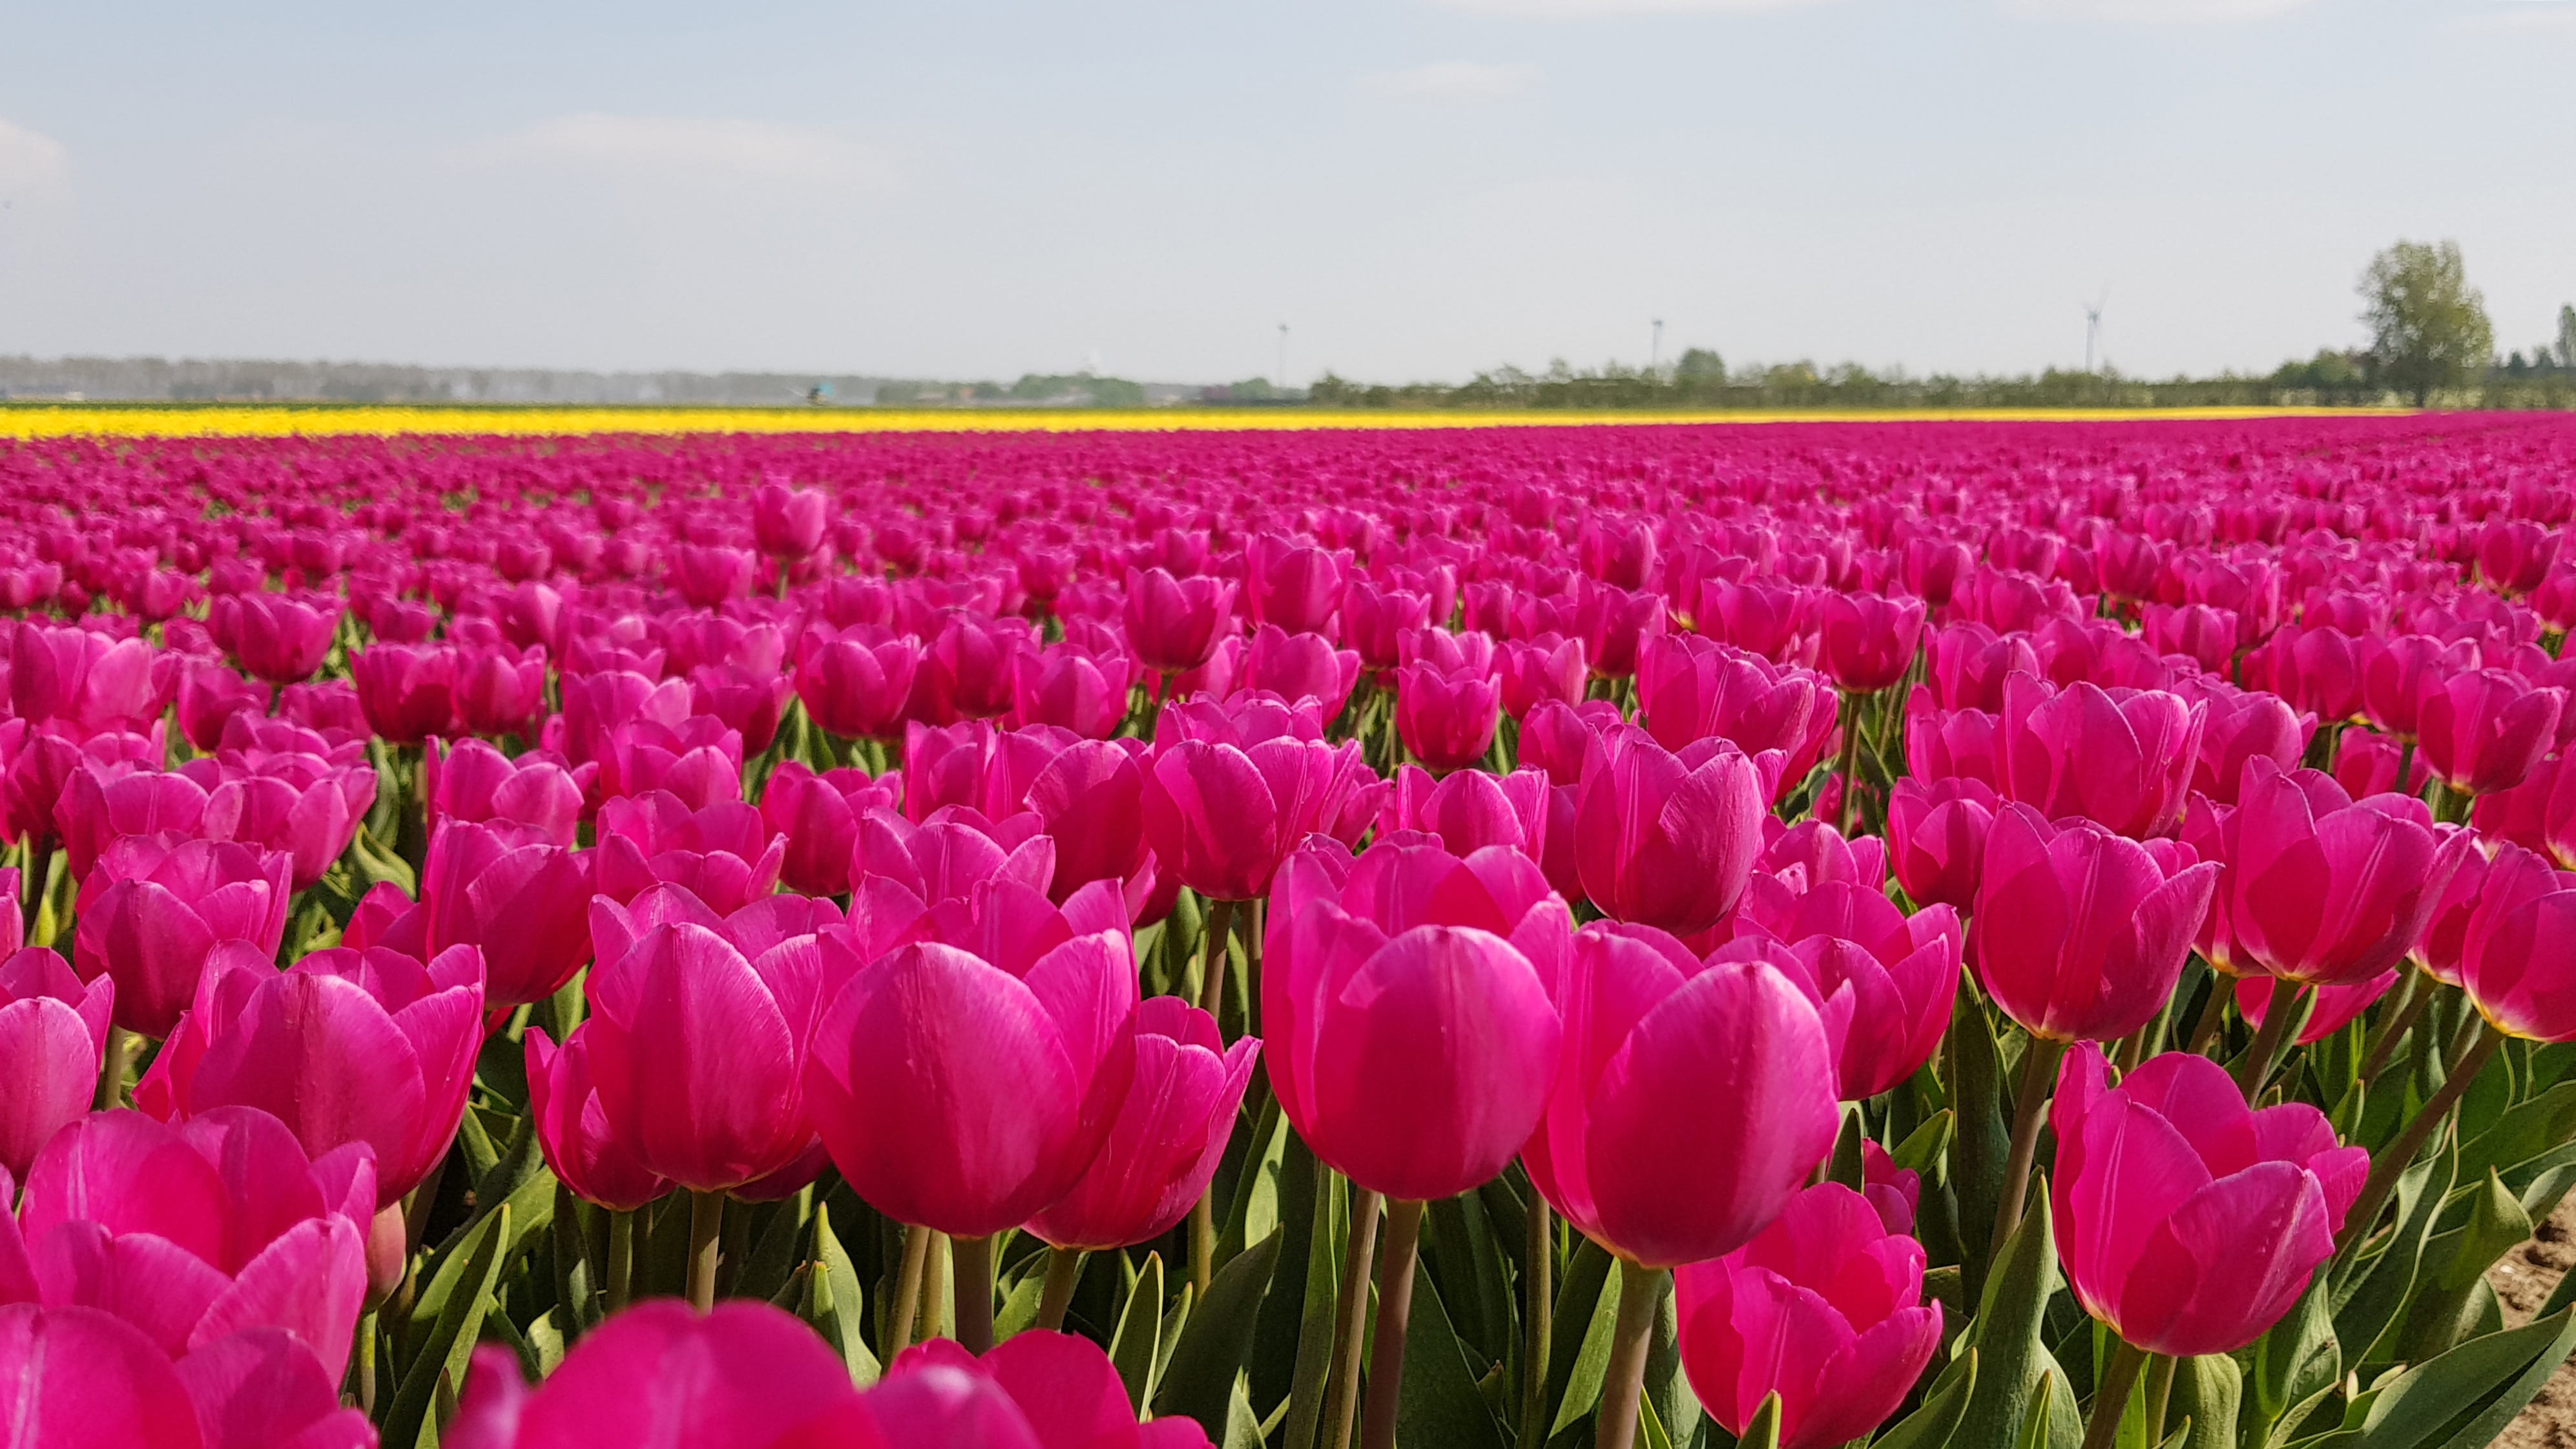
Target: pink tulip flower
[
  {"x": 2186, "y": 1221},
  {"x": 818, "y": 818},
  {"x": 1470, "y": 810},
  {"x": 407, "y": 690},
  {"x": 470, "y": 781},
  {"x": 519, "y": 899},
  {"x": 580, "y": 1141},
  {"x": 1690, "y": 688},
  {"x": 2517, "y": 956},
  {"x": 53, "y": 1041},
  {"x": 1175, "y": 624},
  {"x": 855, "y": 682},
  {"x": 1869, "y": 642},
  {"x": 82, "y": 1378},
  {"x": 2324, "y": 890},
  {"x": 2080, "y": 934},
  {"x": 1037, "y": 1390},
  {"x": 281, "y": 639},
  {"x": 1231, "y": 789},
  {"x": 152, "y": 914},
  {"x": 2485, "y": 729},
  {"x": 724, "y": 852},
  {"x": 1666, "y": 840},
  {"x": 1171, "y": 1132},
  {"x": 1936, "y": 838},
  {"x": 2123, "y": 759},
  {"x": 1825, "y": 1308},
  {"x": 1902, "y": 973}
]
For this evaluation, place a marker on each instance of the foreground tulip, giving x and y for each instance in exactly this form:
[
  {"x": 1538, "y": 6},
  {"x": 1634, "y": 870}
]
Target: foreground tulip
[
  {"x": 744, "y": 1376},
  {"x": 2324, "y": 890},
  {"x": 1869, "y": 642},
  {"x": 1175, "y": 624},
  {"x": 2120, "y": 758},
  {"x": 1936, "y": 838},
  {"x": 1647, "y": 1026},
  {"x": 723, "y": 852},
  {"x": 965, "y": 1090},
  {"x": 581, "y": 1144},
  {"x": 198, "y": 1231},
  {"x": 1040, "y": 1390},
  {"x": 2080, "y": 934},
  {"x": 2517, "y": 957},
  {"x": 817, "y": 815},
  {"x": 1666, "y": 840},
  {"x": 408, "y": 691},
  {"x": 2485, "y": 729},
  {"x": 523, "y": 902},
  {"x": 1901, "y": 974},
  {"x": 53, "y": 1040},
  {"x": 152, "y": 914},
  {"x": 1230, "y": 790},
  {"x": 1172, "y": 1128},
  {"x": 344, "y": 1046},
  {"x": 81, "y": 1378},
  {"x": 263, "y": 1386},
  {"x": 1415, "y": 976},
  {"x": 1446, "y": 720},
  {"x": 1825, "y": 1309},
  {"x": 854, "y": 682},
  {"x": 2187, "y": 1222},
  {"x": 1470, "y": 810}
]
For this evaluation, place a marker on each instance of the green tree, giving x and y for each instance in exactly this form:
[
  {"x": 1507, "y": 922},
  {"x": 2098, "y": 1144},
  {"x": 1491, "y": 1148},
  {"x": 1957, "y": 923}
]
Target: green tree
[
  {"x": 2567, "y": 337},
  {"x": 1701, "y": 365},
  {"x": 2428, "y": 326}
]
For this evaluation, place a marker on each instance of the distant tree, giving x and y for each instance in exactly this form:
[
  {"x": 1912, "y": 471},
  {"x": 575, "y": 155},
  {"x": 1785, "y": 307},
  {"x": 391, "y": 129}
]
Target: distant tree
[
  {"x": 2428, "y": 326},
  {"x": 1699, "y": 364},
  {"x": 2567, "y": 337}
]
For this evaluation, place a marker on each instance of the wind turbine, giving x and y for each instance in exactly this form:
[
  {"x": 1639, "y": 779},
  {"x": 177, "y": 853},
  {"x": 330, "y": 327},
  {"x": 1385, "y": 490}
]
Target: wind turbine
[{"x": 2093, "y": 327}]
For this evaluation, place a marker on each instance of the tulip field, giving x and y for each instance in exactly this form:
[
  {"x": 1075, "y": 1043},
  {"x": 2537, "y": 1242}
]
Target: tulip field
[{"x": 1984, "y": 934}]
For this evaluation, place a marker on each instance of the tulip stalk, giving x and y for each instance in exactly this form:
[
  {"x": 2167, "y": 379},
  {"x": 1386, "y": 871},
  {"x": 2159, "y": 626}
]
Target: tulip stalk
[
  {"x": 1847, "y": 768},
  {"x": 2388, "y": 1166},
  {"x": 2111, "y": 1401},
  {"x": 621, "y": 1260},
  {"x": 706, "y": 1231},
  {"x": 2256, "y": 1069},
  {"x": 907, "y": 1291},
  {"x": 1351, "y": 1308},
  {"x": 122, "y": 1047},
  {"x": 1213, "y": 966},
  {"x": 1063, "y": 1275},
  {"x": 2038, "y": 1073},
  {"x": 974, "y": 1289},
  {"x": 1540, "y": 1322},
  {"x": 1623, "y": 1380},
  {"x": 2413, "y": 995},
  {"x": 1394, "y": 1316}
]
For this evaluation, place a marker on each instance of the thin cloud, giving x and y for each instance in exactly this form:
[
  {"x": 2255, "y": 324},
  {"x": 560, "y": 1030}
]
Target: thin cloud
[
  {"x": 761, "y": 150},
  {"x": 1454, "y": 80},
  {"x": 1589, "y": 9},
  {"x": 29, "y": 160}
]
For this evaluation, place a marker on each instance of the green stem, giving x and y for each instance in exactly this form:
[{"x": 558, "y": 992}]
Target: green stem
[
  {"x": 2111, "y": 1402},
  {"x": 121, "y": 1047},
  {"x": 2213, "y": 1012},
  {"x": 2038, "y": 1077},
  {"x": 1849, "y": 765},
  {"x": 2160, "y": 1377},
  {"x": 1623, "y": 1380},
  {"x": 1213, "y": 967},
  {"x": 2388, "y": 1166},
  {"x": 621, "y": 1260},
  {"x": 362, "y": 1366},
  {"x": 974, "y": 1286},
  {"x": 1064, "y": 1274},
  {"x": 2413, "y": 995},
  {"x": 2256, "y": 1069},
  {"x": 907, "y": 1291},
  {"x": 1394, "y": 1315},
  {"x": 706, "y": 1230},
  {"x": 1358, "y": 1250},
  {"x": 1541, "y": 1326}
]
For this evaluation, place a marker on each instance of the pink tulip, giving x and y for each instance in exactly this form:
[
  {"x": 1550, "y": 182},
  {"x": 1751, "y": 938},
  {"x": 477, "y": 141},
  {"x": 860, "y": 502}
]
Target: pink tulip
[
  {"x": 903, "y": 872},
  {"x": 2080, "y": 934},
  {"x": 1447, "y": 721},
  {"x": 699, "y": 1031},
  {"x": 195, "y": 1232},
  {"x": 264, "y": 1387},
  {"x": 1646, "y": 1026},
  {"x": 966, "y": 672},
  {"x": 1066, "y": 686},
  {"x": 1469, "y": 810},
  {"x": 53, "y": 1041},
  {"x": 2397, "y": 674},
  {"x": 280, "y": 639},
  {"x": 522, "y": 901},
  {"x": 343, "y": 1046},
  {"x": 789, "y": 523},
  {"x": 101, "y": 804},
  {"x": 498, "y": 692},
  {"x": 2485, "y": 729},
  {"x": 1936, "y": 838},
  {"x": 573, "y": 1128},
  {"x": 742, "y": 1376},
  {"x": 1968, "y": 663},
  {"x": 210, "y": 693},
  {"x": 1175, "y": 624},
  {"x": 470, "y": 781},
  {"x": 1299, "y": 667},
  {"x": 1895, "y": 1192},
  {"x": 724, "y": 852},
  {"x": 2243, "y": 725},
  {"x": 2336, "y": 1006},
  {"x": 1666, "y": 840},
  {"x": 1038, "y": 1390},
  {"x": 2121, "y": 759},
  {"x": 408, "y": 691},
  {"x": 1090, "y": 799},
  {"x": 2324, "y": 890},
  {"x": 818, "y": 818},
  {"x": 2517, "y": 957},
  {"x": 1556, "y": 738},
  {"x": 1951, "y": 744},
  {"x": 152, "y": 914},
  {"x": 86, "y": 681},
  {"x": 1615, "y": 624},
  {"x": 1869, "y": 642},
  {"x": 2317, "y": 669},
  {"x": 2186, "y": 1221},
  {"x": 1290, "y": 586},
  {"x": 855, "y": 682},
  {"x": 1902, "y": 973},
  {"x": 1231, "y": 789},
  {"x": 1413, "y": 975},
  {"x": 1171, "y": 1131},
  {"x": 708, "y": 575},
  {"x": 965, "y": 1087},
  {"x": 698, "y": 760},
  {"x": 81, "y": 1379},
  {"x": 1825, "y": 1308},
  {"x": 1690, "y": 689},
  {"x": 304, "y": 806},
  {"x": 1533, "y": 671},
  {"x": 2366, "y": 764},
  {"x": 1765, "y": 618}
]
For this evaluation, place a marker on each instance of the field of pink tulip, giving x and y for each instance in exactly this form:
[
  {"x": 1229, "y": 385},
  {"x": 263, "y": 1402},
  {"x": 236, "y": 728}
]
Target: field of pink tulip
[{"x": 2005, "y": 936}]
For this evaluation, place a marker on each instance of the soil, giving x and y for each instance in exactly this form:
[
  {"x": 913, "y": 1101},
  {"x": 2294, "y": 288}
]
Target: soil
[{"x": 2523, "y": 1282}]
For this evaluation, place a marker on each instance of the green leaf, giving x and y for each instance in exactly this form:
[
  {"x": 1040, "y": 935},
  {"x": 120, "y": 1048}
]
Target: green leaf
[
  {"x": 2464, "y": 1398},
  {"x": 1313, "y": 1341},
  {"x": 1438, "y": 1402},
  {"x": 2208, "y": 1390},
  {"x": 449, "y": 1344},
  {"x": 1922, "y": 1148},
  {"x": 1763, "y": 1430},
  {"x": 2295, "y": 1365},
  {"x": 2497, "y": 1224},
  {"x": 2033, "y": 1432},
  {"x": 1933, "y": 1423},
  {"x": 1209, "y": 1357},
  {"x": 379, "y": 865},
  {"x": 1255, "y": 1208},
  {"x": 1587, "y": 1312},
  {"x": 2523, "y": 1131},
  {"x": 1135, "y": 1347},
  {"x": 836, "y": 1301},
  {"x": 2370, "y": 1298},
  {"x": 1846, "y": 1161},
  {"x": 2006, "y": 1334},
  {"x": 1984, "y": 1138}
]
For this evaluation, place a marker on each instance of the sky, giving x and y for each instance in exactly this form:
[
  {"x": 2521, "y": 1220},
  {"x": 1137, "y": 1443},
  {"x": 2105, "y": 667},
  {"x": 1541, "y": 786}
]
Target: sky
[{"x": 1417, "y": 189}]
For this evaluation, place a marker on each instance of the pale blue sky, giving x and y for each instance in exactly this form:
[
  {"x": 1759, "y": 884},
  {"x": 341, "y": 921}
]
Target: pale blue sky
[{"x": 1418, "y": 187}]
